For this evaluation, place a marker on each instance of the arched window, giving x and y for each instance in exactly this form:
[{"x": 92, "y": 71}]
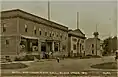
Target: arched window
[
  {"x": 4, "y": 27},
  {"x": 25, "y": 28}
]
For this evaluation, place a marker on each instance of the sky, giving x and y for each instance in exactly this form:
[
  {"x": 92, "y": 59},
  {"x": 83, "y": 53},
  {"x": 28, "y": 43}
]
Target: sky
[{"x": 102, "y": 13}]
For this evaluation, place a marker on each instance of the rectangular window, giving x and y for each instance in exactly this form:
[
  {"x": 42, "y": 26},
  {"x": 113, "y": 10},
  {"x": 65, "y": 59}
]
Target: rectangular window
[
  {"x": 53, "y": 34},
  {"x": 45, "y": 33},
  {"x": 92, "y": 45},
  {"x": 25, "y": 29},
  {"x": 34, "y": 31},
  {"x": 92, "y": 51},
  {"x": 40, "y": 32},
  {"x": 61, "y": 36},
  {"x": 4, "y": 28},
  {"x": 50, "y": 34},
  {"x": 74, "y": 47},
  {"x": 7, "y": 42}
]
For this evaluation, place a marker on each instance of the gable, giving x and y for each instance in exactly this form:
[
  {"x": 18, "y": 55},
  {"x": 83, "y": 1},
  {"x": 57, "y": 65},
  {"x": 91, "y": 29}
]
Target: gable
[{"x": 78, "y": 32}]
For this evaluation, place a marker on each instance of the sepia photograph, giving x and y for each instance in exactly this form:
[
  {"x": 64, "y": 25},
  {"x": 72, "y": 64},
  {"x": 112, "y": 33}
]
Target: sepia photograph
[{"x": 58, "y": 38}]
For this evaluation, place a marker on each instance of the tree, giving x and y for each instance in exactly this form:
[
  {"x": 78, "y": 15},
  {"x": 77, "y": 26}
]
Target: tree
[
  {"x": 114, "y": 43},
  {"x": 107, "y": 46}
]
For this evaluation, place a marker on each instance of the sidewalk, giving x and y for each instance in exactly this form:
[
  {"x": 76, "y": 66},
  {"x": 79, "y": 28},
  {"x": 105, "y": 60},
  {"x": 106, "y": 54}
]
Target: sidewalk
[{"x": 111, "y": 70}]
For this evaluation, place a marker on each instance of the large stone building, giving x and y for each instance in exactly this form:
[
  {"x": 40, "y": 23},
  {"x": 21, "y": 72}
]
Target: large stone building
[
  {"x": 76, "y": 43},
  {"x": 24, "y": 33},
  {"x": 93, "y": 46}
]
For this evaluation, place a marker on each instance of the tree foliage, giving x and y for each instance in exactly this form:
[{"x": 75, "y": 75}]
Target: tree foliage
[{"x": 107, "y": 46}]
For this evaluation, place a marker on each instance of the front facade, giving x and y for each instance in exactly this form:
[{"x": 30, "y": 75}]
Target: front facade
[
  {"x": 76, "y": 43},
  {"x": 24, "y": 33},
  {"x": 93, "y": 46}
]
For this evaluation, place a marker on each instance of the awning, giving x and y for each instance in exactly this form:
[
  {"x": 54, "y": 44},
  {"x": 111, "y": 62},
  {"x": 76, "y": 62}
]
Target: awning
[
  {"x": 117, "y": 51},
  {"x": 29, "y": 37}
]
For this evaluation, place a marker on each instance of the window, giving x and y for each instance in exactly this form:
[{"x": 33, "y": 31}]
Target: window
[
  {"x": 25, "y": 28},
  {"x": 53, "y": 34},
  {"x": 64, "y": 47},
  {"x": 61, "y": 36},
  {"x": 92, "y": 51},
  {"x": 7, "y": 42},
  {"x": 65, "y": 38},
  {"x": 45, "y": 33},
  {"x": 74, "y": 47},
  {"x": 40, "y": 32},
  {"x": 50, "y": 34},
  {"x": 34, "y": 30},
  {"x": 4, "y": 28},
  {"x": 92, "y": 45},
  {"x": 57, "y": 35},
  {"x": 56, "y": 46}
]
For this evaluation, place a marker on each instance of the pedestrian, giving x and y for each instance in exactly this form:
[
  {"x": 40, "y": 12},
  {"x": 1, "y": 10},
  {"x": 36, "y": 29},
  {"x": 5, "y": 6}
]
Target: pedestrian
[
  {"x": 115, "y": 58},
  {"x": 63, "y": 57},
  {"x": 58, "y": 59}
]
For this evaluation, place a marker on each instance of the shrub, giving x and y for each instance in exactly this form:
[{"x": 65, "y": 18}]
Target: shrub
[
  {"x": 85, "y": 57},
  {"x": 96, "y": 56},
  {"x": 88, "y": 55},
  {"x": 27, "y": 58},
  {"x": 13, "y": 66}
]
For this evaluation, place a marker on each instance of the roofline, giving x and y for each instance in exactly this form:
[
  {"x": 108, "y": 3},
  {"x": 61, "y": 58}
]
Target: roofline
[
  {"x": 32, "y": 15},
  {"x": 77, "y": 36},
  {"x": 94, "y": 38}
]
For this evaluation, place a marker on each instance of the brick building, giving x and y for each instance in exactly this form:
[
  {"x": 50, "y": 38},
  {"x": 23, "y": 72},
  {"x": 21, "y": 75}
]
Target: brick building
[
  {"x": 76, "y": 43},
  {"x": 93, "y": 46},
  {"x": 24, "y": 33}
]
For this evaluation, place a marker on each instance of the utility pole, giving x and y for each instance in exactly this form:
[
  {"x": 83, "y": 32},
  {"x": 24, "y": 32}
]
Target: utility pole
[
  {"x": 96, "y": 40},
  {"x": 77, "y": 24},
  {"x": 110, "y": 39},
  {"x": 48, "y": 10},
  {"x": 77, "y": 20}
]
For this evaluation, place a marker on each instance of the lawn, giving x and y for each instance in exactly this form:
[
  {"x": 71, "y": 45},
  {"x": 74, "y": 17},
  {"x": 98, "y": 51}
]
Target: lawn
[
  {"x": 108, "y": 65},
  {"x": 13, "y": 66}
]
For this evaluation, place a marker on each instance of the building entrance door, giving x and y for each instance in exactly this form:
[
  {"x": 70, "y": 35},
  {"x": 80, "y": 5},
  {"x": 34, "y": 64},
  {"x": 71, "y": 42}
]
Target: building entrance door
[{"x": 43, "y": 49}]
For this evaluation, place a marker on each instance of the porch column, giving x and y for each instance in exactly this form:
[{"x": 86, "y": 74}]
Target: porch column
[
  {"x": 58, "y": 47},
  {"x": 47, "y": 47},
  {"x": 39, "y": 47},
  {"x": 53, "y": 46}
]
